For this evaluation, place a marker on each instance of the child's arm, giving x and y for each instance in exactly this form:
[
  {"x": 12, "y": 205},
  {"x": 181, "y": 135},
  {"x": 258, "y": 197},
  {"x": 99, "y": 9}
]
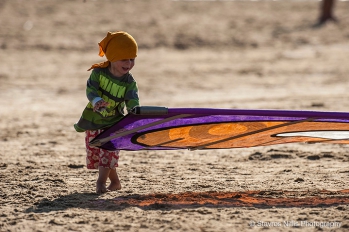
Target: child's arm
[
  {"x": 131, "y": 97},
  {"x": 97, "y": 102}
]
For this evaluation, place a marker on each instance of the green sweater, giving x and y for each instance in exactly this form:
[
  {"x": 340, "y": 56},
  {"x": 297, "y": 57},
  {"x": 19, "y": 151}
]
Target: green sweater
[{"x": 119, "y": 92}]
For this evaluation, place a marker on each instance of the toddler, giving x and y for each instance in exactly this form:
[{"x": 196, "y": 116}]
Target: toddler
[{"x": 110, "y": 88}]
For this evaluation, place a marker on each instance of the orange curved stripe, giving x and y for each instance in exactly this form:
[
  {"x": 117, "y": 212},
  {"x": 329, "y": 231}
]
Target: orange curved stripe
[{"x": 198, "y": 135}]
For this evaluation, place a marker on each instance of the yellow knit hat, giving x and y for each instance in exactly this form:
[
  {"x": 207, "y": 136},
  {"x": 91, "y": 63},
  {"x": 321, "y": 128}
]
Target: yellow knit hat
[{"x": 116, "y": 46}]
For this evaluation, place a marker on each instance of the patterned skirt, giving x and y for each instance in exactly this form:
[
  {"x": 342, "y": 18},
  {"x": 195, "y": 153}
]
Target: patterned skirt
[{"x": 97, "y": 157}]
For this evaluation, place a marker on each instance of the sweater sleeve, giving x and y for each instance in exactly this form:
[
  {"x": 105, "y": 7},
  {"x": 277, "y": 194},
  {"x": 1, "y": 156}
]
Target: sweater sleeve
[
  {"x": 131, "y": 96},
  {"x": 92, "y": 87}
]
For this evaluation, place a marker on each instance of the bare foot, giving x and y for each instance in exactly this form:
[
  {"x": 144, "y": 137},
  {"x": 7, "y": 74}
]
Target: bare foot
[
  {"x": 114, "y": 186},
  {"x": 101, "y": 188},
  {"x": 114, "y": 181},
  {"x": 102, "y": 180}
]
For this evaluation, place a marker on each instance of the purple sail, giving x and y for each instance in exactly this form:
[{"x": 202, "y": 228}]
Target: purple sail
[{"x": 159, "y": 128}]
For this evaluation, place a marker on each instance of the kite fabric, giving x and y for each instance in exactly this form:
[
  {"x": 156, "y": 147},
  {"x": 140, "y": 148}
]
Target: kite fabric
[{"x": 160, "y": 128}]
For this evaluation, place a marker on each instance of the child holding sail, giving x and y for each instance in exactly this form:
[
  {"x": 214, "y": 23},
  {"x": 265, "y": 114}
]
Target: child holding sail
[{"x": 110, "y": 88}]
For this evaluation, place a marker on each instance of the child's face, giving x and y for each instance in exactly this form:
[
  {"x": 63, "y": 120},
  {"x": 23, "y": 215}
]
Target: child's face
[{"x": 121, "y": 67}]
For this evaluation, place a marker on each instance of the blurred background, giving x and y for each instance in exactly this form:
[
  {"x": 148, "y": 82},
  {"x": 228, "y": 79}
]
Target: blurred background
[{"x": 235, "y": 54}]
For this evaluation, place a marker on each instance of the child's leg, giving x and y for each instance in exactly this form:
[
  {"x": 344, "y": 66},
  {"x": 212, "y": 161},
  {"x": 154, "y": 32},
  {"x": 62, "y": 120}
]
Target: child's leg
[
  {"x": 109, "y": 159},
  {"x": 105, "y": 161},
  {"x": 114, "y": 180},
  {"x": 102, "y": 179}
]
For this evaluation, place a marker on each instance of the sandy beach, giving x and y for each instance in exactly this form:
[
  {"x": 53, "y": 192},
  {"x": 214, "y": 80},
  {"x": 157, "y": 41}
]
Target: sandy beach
[{"x": 211, "y": 54}]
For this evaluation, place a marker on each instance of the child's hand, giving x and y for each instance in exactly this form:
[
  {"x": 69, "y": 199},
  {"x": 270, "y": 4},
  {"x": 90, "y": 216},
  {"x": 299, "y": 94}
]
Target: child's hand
[{"x": 100, "y": 106}]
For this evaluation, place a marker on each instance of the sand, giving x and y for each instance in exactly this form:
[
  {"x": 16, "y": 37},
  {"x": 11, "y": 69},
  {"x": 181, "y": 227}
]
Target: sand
[{"x": 215, "y": 54}]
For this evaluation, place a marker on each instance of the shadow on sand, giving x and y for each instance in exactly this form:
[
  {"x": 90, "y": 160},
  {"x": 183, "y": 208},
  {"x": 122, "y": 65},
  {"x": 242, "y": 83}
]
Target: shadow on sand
[{"x": 169, "y": 201}]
